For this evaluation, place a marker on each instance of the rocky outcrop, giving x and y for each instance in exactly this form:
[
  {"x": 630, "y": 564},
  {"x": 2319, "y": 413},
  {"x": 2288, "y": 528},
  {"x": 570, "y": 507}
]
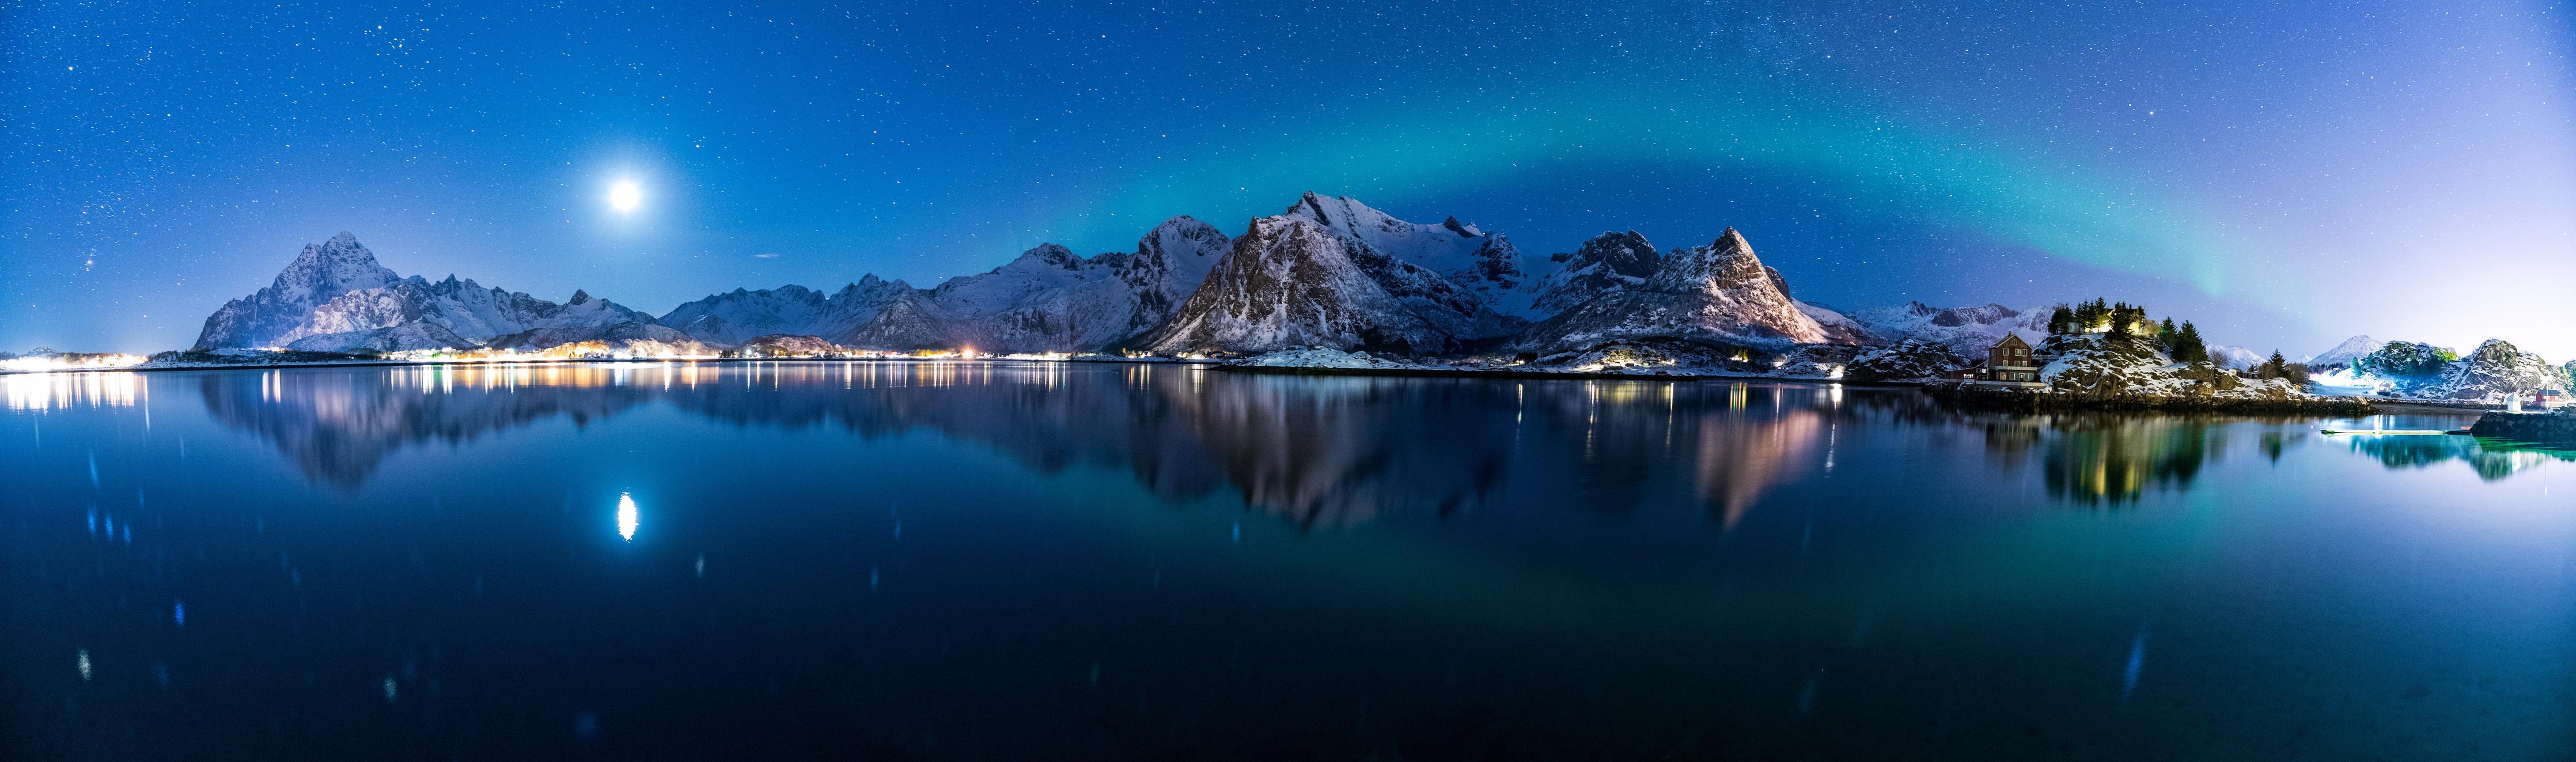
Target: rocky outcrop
[
  {"x": 2537, "y": 428},
  {"x": 1907, "y": 360}
]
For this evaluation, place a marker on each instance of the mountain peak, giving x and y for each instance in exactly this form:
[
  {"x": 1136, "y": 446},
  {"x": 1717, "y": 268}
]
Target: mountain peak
[
  {"x": 579, "y": 297},
  {"x": 1050, "y": 255}
]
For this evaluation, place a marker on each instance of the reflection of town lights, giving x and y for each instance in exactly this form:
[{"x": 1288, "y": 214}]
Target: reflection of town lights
[{"x": 626, "y": 516}]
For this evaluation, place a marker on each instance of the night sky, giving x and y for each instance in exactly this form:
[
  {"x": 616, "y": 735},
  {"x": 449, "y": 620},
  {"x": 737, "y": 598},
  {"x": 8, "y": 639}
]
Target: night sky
[{"x": 2287, "y": 174}]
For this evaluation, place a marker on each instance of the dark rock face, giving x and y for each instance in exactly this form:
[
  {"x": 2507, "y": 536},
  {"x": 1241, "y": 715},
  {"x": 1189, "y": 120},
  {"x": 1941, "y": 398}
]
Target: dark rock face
[{"x": 1609, "y": 262}]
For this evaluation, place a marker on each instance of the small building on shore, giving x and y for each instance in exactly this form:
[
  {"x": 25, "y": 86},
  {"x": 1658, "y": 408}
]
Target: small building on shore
[{"x": 2007, "y": 363}]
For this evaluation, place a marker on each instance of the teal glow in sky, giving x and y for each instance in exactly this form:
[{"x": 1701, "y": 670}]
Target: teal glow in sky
[{"x": 2285, "y": 175}]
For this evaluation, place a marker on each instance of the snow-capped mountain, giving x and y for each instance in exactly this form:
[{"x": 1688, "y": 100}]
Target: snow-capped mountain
[
  {"x": 271, "y": 316},
  {"x": 2342, "y": 355},
  {"x": 1966, "y": 330},
  {"x": 1609, "y": 262},
  {"x": 2236, "y": 358},
  {"x": 1719, "y": 293},
  {"x": 1290, "y": 281},
  {"x": 889, "y": 312},
  {"x": 2495, "y": 371},
  {"x": 1465, "y": 282},
  {"x": 335, "y": 296},
  {"x": 1048, "y": 299}
]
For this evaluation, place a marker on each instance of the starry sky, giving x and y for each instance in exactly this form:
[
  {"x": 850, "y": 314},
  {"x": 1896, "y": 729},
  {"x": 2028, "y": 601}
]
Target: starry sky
[{"x": 2284, "y": 173}]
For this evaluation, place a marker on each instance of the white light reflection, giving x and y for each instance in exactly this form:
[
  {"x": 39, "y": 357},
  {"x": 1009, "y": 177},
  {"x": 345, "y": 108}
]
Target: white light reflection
[{"x": 626, "y": 516}]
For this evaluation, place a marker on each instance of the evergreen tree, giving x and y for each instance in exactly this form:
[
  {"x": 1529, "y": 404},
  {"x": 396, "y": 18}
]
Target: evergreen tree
[
  {"x": 2061, "y": 321},
  {"x": 2166, "y": 335},
  {"x": 2188, "y": 346},
  {"x": 2277, "y": 367}
]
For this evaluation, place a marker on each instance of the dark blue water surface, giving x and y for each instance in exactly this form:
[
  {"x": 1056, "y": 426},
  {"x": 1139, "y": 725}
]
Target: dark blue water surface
[{"x": 1077, "y": 561}]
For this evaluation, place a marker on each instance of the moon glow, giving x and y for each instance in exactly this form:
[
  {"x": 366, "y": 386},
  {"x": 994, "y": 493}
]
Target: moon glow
[{"x": 625, "y": 196}]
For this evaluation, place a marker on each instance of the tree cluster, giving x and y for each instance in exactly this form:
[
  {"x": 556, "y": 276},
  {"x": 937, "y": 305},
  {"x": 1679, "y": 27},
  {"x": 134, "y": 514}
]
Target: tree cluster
[
  {"x": 2280, "y": 367},
  {"x": 2400, "y": 359},
  {"x": 2181, "y": 342}
]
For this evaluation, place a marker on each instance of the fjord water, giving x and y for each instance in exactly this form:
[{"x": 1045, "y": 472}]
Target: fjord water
[{"x": 1023, "y": 560}]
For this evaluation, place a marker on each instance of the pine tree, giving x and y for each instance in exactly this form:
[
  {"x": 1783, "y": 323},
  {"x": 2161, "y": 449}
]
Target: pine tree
[
  {"x": 2188, "y": 346},
  {"x": 2061, "y": 321}
]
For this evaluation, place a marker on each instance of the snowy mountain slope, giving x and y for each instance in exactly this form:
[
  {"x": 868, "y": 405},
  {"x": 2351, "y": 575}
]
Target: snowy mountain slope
[
  {"x": 322, "y": 272},
  {"x": 1291, "y": 282},
  {"x": 2342, "y": 355},
  {"x": 1047, "y": 299},
  {"x": 1719, "y": 293},
  {"x": 2495, "y": 371},
  {"x": 1608, "y": 262},
  {"x": 335, "y": 294},
  {"x": 2236, "y": 358},
  {"x": 414, "y": 335},
  {"x": 872, "y": 306},
  {"x": 1966, "y": 330},
  {"x": 1464, "y": 281}
]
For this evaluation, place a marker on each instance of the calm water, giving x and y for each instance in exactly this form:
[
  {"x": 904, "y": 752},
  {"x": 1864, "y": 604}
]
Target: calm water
[{"x": 1093, "y": 561}]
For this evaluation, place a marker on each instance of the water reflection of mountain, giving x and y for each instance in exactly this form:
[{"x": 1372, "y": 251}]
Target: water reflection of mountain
[
  {"x": 2492, "y": 460},
  {"x": 339, "y": 425},
  {"x": 1320, "y": 452}
]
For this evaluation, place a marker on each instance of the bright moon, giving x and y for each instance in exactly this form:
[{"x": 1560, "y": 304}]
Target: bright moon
[{"x": 625, "y": 196}]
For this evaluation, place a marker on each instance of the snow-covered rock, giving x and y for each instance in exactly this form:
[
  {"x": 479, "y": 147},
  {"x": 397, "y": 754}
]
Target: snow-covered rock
[
  {"x": 1718, "y": 294},
  {"x": 1906, "y": 360}
]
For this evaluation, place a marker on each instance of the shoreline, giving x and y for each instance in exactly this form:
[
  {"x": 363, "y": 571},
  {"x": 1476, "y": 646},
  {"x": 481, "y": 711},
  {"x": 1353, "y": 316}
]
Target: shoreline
[
  {"x": 566, "y": 361},
  {"x": 1297, "y": 370},
  {"x": 2033, "y": 402}
]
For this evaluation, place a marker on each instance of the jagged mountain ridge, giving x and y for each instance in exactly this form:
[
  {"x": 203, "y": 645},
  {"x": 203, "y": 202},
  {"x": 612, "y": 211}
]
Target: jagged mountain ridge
[
  {"x": 1291, "y": 282},
  {"x": 336, "y": 297},
  {"x": 1046, "y": 300},
  {"x": 1719, "y": 293},
  {"x": 1328, "y": 271}
]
